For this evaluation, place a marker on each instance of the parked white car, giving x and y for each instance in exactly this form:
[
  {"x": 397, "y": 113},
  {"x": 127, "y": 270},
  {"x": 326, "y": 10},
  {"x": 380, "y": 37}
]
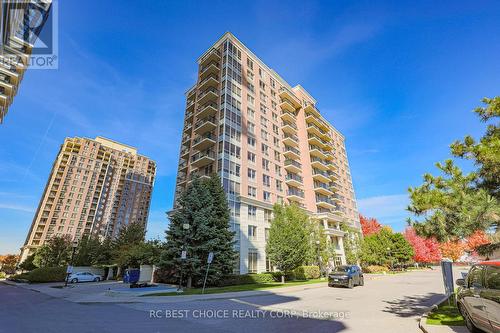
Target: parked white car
[{"x": 84, "y": 277}]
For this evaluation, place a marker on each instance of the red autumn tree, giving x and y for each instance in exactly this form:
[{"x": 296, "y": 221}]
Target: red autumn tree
[
  {"x": 369, "y": 225},
  {"x": 425, "y": 250},
  {"x": 478, "y": 238},
  {"x": 452, "y": 249}
]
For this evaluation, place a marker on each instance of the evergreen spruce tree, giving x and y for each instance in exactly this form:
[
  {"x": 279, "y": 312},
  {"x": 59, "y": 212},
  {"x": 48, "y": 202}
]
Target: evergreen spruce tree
[{"x": 203, "y": 207}]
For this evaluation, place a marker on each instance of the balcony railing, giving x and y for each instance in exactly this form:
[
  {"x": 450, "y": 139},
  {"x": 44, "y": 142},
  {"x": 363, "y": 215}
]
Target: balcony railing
[
  {"x": 291, "y": 149},
  {"x": 292, "y": 162},
  {"x": 291, "y": 176},
  {"x": 202, "y": 154},
  {"x": 200, "y": 122},
  {"x": 292, "y": 192}
]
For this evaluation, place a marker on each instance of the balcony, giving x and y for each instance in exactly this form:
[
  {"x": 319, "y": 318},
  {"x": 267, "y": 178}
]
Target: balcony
[
  {"x": 287, "y": 105},
  {"x": 291, "y": 153},
  {"x": 322, "y": 188},
  {"x": 203, "y": 142},
  {"x": 321, "y": 176},
  {"x": 325, "y": 202},
  {"x": 289, "y": 128},
  {"x": 188, "y": 128},
  {"x": 208, "y": 69},
  {"x": 293, "y": 166},
  {"x": 317, "y": 152},
  {"x": 209, "y": 95},
  {"x": 190, "y": 106},
  {"x": 211, "y": 81},
  {"x": 291, "y": 140},
  {"x": 203, "y": 158},
  {"x": 206, "y": 110},
  {"x": 318, "y": 163},
  {"x": 184, "y": 152},
  {"x": 289, "y": 116},
  {"x": 287, "y": 94},
  {"x": 293, "y": 179},
  {"x": 205, "y": 125},
  {"x": 294, "y": 194},
  {"x": 213, "y": 55},
  {"x": 315, "y": 140},
  {"x": 312, "y": 119},
  {"x": 309, "y": 108},
  {"x": 334, "y": 175}
]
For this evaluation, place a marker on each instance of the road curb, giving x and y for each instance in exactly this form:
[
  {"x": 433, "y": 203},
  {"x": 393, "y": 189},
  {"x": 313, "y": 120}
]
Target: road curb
[{"x": 422, "y": 323}]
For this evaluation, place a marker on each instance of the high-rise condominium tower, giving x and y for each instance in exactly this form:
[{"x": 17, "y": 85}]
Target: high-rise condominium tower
[
  {"x": 22, "y": 21},
  {"x": 269, "y": 143},
  {"x": 94, "y": 188}
]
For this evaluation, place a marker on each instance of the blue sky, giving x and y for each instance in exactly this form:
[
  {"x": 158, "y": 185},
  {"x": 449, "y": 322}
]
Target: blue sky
[{"x": 398, "y": 79}]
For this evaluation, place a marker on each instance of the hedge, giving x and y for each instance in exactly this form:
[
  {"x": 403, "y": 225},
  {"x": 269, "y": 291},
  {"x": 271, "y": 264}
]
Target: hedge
[
  {"x": 375, "y": 269},
  {"x": 232, "y": 280},
  {"x": 306, "y": 272},
  {"x": 43, "y": 274}
]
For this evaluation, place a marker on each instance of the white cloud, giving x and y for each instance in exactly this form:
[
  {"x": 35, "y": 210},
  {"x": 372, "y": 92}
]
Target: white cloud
[
  {"x": 387, "y": 209},
  {"x": 17, "y": 207}
]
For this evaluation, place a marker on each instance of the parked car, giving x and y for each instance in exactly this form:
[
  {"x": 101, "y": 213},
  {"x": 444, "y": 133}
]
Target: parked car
[
  {"x": 478, "y": 298},
  {"x": 346, "y": 275},
  {"x": 84, "y": 277}
]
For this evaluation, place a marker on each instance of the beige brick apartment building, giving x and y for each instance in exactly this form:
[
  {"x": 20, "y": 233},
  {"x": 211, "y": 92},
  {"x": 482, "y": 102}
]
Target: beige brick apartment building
[
  {"x": 95, "y": 187},
  {"x": 269, "y": 143}
]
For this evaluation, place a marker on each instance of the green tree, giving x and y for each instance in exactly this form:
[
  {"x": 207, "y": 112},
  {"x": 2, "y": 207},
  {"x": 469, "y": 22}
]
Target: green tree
[
  {"x": 352, "y": 244},
  {"x": 200, "y": 225},
  {"x": 451, "y": 206},
  {"x": 93, "y": 251},
  {"x": 317, "y": 239},
  {"x": 55, "y": 252},
  {"x": 289, "y": 237},
  {"x": 28, "y": 264},
  {"x": 401, "y": 251},
  {"x": 129, "y": 237},
  {"x": 485, "y": 151},
  {"x": 375, "y": 248}
]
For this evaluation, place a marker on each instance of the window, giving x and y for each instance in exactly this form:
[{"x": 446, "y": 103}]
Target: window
[
  {"x": 267, "y": 196},
  {"x": 250, "y": 99},
  {"x": 249, "y": 63},
  {"x": 251, "y": 142},
  {"x": 251, "y": 113},
  {"x": 263, "y": 134},
  {"x": 251, "y": 157},
  {"x": 266, "y": 180},
  {"x": 252, "y": 212},
  {"x": 265, "y": 149},
  {"x": 252, "y": 191},
  {"x": 252, "y": 261},
  {"x": 475, "y": 277},
  {"x": 250, "y": 127},
  {"x": 251, "y": 174},
  {"x": 279, "y": 185},
  {"x": 252, "y": 231},
  {"x": 263, "y": 121},
  {"x": 265, "y": 164},
  {"x": 493, "y": 277},
  {"x": 266, "y": 234}
]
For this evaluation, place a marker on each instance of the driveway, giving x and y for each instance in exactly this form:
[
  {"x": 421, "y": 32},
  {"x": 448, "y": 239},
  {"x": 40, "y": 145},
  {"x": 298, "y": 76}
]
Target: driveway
[{"x": 390, "y": 303}]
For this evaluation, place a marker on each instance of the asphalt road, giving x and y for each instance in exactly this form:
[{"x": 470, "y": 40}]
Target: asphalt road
[{"x": 385, "y": 304}]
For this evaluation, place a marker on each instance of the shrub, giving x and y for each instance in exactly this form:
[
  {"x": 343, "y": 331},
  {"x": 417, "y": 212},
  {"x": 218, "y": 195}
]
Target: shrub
[
  {"x": 2, "y": 275},
  {"x": 43, "y": 274},
  {"x": 231, "y": 280},
  {"x": 306, "y": 272},
  {"x": 375, "y": 269}
]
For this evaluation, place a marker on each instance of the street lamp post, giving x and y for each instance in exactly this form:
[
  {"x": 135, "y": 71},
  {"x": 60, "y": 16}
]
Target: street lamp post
[
  {"x": 68, "y": 273},
  {"x": 390, "y": 258},
  {"x": 185, "y": 226},
  {"x": 319, "y": 258}
]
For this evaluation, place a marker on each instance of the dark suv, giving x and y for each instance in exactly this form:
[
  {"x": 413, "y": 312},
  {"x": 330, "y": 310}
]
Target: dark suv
[
  {"x": 478, "y": 297},
  {"x": 346, "y": 275}
]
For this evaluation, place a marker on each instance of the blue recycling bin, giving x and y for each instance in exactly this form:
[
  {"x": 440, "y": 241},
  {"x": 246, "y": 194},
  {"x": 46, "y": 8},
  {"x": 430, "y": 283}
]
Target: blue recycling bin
[{"x": 131, "y": 276}]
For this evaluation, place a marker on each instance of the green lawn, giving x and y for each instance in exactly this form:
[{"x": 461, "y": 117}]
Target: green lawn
[
  {"x": 446, "y": 315},
  {"x": 240, "y": 287}
]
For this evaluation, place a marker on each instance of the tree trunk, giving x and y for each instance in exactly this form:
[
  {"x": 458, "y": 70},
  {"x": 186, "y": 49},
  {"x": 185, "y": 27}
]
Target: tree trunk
[
  {"x": 283, "y": 278},
  {"x": 189, "y": 282}
]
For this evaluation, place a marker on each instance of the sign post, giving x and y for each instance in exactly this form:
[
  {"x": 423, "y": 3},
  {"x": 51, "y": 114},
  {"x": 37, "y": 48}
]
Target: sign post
[
  {"x": 209, "y": 261},
  {"x": 447, "y": 271},
  {"x": 183, "y": 258}
]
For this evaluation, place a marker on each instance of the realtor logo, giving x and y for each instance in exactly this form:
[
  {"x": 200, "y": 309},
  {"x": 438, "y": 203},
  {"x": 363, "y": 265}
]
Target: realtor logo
[{"x": 31, "y": 29}]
